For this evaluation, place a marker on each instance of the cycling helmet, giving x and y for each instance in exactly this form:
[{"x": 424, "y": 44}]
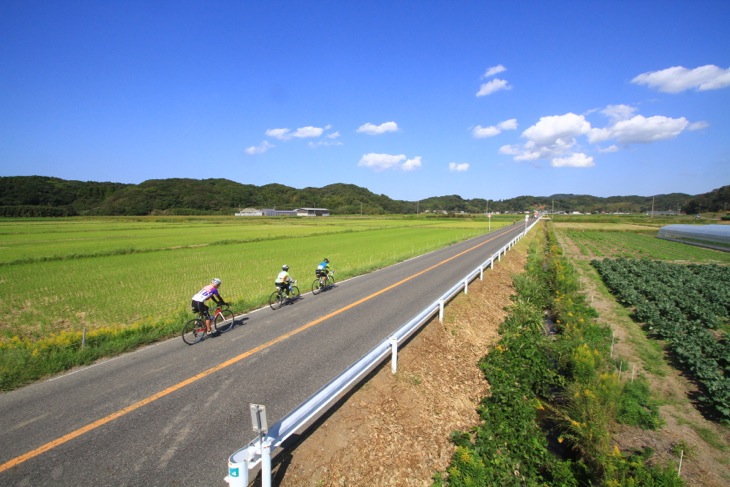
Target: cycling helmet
[
  {"x": 216, "y": 281},
  {"x": 326, "y": 260},
  {"x": 285, "y": 267}
]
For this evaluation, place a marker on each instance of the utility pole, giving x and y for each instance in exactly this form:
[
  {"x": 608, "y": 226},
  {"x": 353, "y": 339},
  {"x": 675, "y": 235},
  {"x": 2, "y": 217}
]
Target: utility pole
[{"x": 652, "y": 207}]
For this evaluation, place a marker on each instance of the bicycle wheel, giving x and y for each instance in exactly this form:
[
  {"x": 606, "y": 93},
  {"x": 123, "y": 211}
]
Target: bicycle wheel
[
  {"x": 293, "y": 294},
  {"x": 224, "y": 321},
  {"x": 276, "y": 300},
  {"x": 193, "y": 331},
  {"x": 316, "y": 287},
  {"x": 330, "y": 281}
]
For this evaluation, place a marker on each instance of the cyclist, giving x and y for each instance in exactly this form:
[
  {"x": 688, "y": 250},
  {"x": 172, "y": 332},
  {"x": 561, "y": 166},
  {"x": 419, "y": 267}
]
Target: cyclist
[
  {"x": 323, "y": 268},
  {"x": 208, "y": 292},
  {"x": 284, "y": 280}
]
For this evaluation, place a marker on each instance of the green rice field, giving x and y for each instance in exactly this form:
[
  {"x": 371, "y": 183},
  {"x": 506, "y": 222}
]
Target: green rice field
[
  {"x": 60, "y": 275},
  {"x": 74, "y": 290}
]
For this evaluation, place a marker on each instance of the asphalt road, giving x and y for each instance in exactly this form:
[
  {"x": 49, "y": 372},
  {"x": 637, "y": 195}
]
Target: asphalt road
[{"x": 171, "y": 414}]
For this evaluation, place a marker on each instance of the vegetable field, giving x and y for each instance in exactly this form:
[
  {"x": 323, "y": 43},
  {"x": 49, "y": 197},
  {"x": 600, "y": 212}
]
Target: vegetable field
[
  {"x": 642, "y": 244},
  {"x": 688, "y": 307}
]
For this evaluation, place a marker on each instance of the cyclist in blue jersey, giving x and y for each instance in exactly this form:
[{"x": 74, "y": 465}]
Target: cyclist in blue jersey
[
  {"x": 208, "y": 292},
  {"x": 323, "y": 268}
]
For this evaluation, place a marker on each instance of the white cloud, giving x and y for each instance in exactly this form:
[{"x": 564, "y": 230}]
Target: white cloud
[
  {"x": 454, "y": 167},
  {"x": 576, "y": 159},
  {"x": 493, "y": 86},
  {"x": 259, "y": 149},
  {"x": 557, "y": 130},
  {"x": 381, "y": 162},
  {"x": 281, "y": 134},
  {"x": 619, "y": 112},
  {"x": 494, "y": 70},
  {"x": 677, "y": 79},
  {"x": 698, "y": 125},
  {"x": 640, "y": 129},
  {"x": 480, "y": 132},
  {"x": 555, "y": 138},
  {"x": 307, "y": 132},
  {"x": 372, "y": 129},
  {"x": 412, "y": 164}
]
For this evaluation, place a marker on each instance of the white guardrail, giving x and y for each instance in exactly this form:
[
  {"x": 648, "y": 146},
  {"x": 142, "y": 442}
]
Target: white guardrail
[{"x": 259, "y": 451}]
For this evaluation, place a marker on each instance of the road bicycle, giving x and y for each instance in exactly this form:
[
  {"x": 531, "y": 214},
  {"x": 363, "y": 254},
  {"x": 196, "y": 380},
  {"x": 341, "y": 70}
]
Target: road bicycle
[
  {"x": 323, "y": 282},
  {"x": 221, "y": 321},
  {"x": 279, "y": 298}
]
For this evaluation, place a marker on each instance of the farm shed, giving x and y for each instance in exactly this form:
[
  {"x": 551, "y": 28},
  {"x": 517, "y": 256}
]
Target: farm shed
[{"x": 712, "y": 236}]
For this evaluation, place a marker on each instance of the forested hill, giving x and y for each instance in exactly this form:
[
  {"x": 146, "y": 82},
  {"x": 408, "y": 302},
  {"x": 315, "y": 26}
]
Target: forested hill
[{"x": 47, "y": 196}]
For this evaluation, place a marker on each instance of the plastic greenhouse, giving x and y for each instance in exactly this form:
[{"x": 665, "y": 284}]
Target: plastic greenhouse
[{"x": 712, "y": 236}]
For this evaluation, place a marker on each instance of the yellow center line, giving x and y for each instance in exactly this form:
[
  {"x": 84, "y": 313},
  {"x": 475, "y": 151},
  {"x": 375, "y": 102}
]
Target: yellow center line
[{"x": 126, "y": 410}]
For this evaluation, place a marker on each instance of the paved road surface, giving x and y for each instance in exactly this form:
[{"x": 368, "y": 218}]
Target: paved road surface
[{"x": 170, "y": 414}]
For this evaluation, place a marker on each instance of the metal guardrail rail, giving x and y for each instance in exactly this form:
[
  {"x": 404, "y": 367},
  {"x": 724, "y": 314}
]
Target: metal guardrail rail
[{"x": 259, "y": 450}]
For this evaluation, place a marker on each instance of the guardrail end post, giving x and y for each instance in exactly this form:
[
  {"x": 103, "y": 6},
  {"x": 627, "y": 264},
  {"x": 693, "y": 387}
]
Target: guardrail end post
[{"x": 237, "y": 474}]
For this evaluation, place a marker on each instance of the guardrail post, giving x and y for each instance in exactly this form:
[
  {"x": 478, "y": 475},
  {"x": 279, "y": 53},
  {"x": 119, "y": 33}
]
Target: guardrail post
[
  {"x": 394, "y": 354},
  {"x": 491, "y": 263},
  {"x": 481, "y": 273},
  {"x": 237, "y": 474},
  {"x": 466, "y": 286},
  {"x": 266, "y": 463},
  {"x": 499, "y": 256},
  {"x": 441, "y": 310}
]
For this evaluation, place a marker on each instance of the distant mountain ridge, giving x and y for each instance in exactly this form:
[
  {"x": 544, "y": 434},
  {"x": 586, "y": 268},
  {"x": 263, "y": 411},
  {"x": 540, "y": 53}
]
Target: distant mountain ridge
[{"x": 48, "y": 196}]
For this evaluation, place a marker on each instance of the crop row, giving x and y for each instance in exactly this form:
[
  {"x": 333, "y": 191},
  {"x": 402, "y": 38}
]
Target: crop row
[
  {"x": 688, "y": 306},
  {"x": 628, "y": 244}
]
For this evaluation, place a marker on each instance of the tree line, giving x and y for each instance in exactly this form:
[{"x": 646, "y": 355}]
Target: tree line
[{"x": 41, "y": 196}]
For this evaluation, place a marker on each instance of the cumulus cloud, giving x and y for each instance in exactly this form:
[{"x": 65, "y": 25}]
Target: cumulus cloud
[
  {"x": 556, "y": 138},
  {"x": 458, "y": 167},
  {"x": 259, "y": 149},
  {"x": 577, "y": 159},
  {"x": 639, "y": 129},
  {"x": 557, "y": 130},
  {"x": 678, "y": 79},
  {"x": 493, "y": 86},
  {"x": 307, "y": 132},
  {"x": 480, "y": 132},
  {"x": 372, "y": 129},
  {"x": 553, "y": 138},
  {"x": 281, "y": 134},
  {"x": 381, "y": 162}
]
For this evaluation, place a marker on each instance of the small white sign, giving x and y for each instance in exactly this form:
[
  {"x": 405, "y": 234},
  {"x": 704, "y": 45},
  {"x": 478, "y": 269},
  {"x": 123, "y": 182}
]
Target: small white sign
[{"x": 258, "y": 418}]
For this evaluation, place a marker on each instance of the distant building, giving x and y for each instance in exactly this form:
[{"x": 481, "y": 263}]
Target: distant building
[
  {"x": 312, "y": 212},
  {"x": 249, "y": 212},
  {"x": 275, "y": 212}
]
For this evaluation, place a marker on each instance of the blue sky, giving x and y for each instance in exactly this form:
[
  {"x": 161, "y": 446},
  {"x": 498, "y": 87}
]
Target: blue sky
[{"x": 410, "y": 99}]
